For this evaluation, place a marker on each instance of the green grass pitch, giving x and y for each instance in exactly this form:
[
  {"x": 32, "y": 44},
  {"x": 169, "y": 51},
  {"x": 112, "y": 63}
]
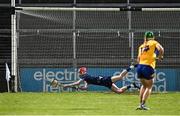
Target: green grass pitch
[{"x": 86, "y": 103}]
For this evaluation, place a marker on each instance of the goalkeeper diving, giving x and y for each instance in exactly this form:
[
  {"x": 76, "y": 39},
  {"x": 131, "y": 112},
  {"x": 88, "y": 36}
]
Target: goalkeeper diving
[{"x": 107, "y": 81}]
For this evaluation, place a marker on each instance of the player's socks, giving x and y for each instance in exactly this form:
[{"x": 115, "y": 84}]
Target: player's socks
[
  {"x": 128, "y": 69},
  {"x": 135, "y": 86},
  {"x": 143, "y": 102},
  {"x": 129, "y": 86}
]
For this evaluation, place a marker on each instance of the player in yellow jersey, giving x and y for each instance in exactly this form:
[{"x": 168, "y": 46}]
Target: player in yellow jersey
[{"x": 149, "y": 51}]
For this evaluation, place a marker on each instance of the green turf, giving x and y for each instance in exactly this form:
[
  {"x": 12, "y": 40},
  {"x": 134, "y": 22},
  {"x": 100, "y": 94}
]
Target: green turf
[{"x": 86, "y": 103}]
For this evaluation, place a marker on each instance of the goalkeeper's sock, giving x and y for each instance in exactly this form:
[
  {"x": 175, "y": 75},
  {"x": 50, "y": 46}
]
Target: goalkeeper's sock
[
  {"x": 129, "y": 86},
  {"x": 130, "y": 68}
]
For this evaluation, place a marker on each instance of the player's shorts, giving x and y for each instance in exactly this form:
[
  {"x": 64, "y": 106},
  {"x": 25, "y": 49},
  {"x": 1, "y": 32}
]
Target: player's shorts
[
  {"x": 145, "y": 71},
  {"x": 107, "y": 82}
]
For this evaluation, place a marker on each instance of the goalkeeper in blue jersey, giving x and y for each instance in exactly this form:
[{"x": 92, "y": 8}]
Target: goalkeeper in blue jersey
[{"x": 107, "y": 81}]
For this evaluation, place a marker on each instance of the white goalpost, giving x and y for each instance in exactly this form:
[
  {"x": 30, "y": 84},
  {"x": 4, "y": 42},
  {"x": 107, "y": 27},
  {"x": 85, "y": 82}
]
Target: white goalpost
[{"x": 13, "y": 46}]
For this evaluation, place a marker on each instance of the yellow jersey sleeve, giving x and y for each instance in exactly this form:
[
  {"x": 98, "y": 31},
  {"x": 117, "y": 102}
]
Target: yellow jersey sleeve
[{"x": 147, "y": 53}]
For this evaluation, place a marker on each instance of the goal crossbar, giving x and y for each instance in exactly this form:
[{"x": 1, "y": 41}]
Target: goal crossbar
[{"x": 94, "y": 9}]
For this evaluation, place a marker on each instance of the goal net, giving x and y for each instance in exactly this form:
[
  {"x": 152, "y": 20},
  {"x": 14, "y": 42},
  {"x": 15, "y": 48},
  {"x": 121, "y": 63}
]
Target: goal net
[{"x": 93, "y": 37}]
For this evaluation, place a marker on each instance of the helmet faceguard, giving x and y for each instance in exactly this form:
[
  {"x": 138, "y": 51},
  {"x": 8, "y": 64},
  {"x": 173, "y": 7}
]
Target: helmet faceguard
[{"x": 82, "y": 70}]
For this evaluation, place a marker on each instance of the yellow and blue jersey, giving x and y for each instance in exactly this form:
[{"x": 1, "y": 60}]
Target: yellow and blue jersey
[{"x": 147, "y": 53}]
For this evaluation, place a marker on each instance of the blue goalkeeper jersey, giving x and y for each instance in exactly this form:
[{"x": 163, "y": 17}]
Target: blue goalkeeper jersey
[{"x": 98, "y": 80}]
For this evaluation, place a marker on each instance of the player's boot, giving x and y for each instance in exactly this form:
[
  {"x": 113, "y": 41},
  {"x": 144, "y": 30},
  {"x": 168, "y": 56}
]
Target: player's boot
[
  {"x": 139, "y": 108},
  {"x": 142, "y": 107}
]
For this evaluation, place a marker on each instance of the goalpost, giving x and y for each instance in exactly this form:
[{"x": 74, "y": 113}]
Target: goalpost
[
  {"x": 127, "y": 31},
  {"x": 14, "y": 46}
]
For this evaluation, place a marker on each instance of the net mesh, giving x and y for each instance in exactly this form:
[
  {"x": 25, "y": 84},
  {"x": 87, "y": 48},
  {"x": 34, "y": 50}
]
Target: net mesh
[
  {"x": 101, "y": 37},
  {"x": 101, "y": 20},
  {"x": 156, "y": 20},
  {"x": 103, "y": 49}
]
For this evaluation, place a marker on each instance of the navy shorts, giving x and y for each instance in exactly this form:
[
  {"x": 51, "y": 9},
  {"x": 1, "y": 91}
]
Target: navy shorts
[
  {"x": 107, "y": 82},
  {"x": 145, "y": 72}
]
